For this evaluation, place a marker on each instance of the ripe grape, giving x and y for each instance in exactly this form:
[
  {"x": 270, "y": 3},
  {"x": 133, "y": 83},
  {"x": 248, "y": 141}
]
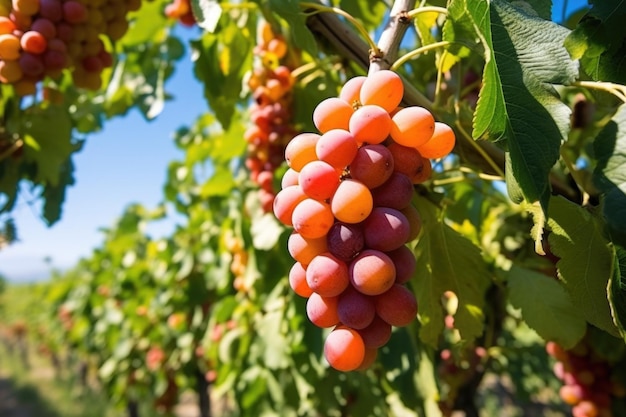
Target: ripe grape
[
  {"x": 405, "y": 263},
  {"x": 32, "y": 65},
  {"x": 344, "y": 349},
  {"x": 337, "y": 147},
  {"x": 370, "y": 124},
  {"x": 290, "y": 177},
  {"x": 397, "y": 306},
  {"x": 412, "y": 126},
  {"x": 396, "y": 192},
  {"x": 74, "y": 12},
  {"x": 51, "y": 9},
  {"x": 355, "y": 310},
  {"x": 408, "y": 161},
  {"x": 372, "y": 165},
  {"x": 370, "y": 357},
  {"x": 352, "y": 202},
  {"x": 372, "y": 272},
  {"x": 303, "y": 250},
  {"x": 33, "y": 42},
  {"x": 44, "y": 26},
  {"x": 385, "y": 229},
  {"x": 327, "y": 275},
  {"x": 351, "y": 90},
  {"x": 383, "y": 88},
  {"x": 376, "y": 334},
  {"x": 286, "y": 201},
  {"x": 297, "y": 280},
  {"x": 319, "y": 180},
  {"x": 440, "y": 144},
  {"x": 332, "y": 113},
  {"x": 9, "y": 47},
  {"x": 301, "y": 150},
  {"x": 415, "y": 221},
  {"x": 322, "y": 311},
  {"x": 345, "y": 240}
]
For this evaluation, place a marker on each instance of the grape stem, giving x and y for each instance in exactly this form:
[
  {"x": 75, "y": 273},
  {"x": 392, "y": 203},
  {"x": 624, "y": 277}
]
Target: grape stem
[
  {"x": 426, "y": 9},
  {"x": 319, "y": 8},
  {"x": 617, "y": 90},
  {"x": 416, "y": 52}
]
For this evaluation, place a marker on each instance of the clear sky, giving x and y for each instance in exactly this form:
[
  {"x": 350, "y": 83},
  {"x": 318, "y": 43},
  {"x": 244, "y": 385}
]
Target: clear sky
[{"x": 124, "y": 163}]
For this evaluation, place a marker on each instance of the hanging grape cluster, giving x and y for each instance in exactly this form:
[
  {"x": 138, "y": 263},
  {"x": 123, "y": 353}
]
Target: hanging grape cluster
[
  {"x": 271, "y": 84},
  {"x": 590, "y": 385},
  {"x": 40, "y": 38},
  {"x": 348, "y": 196},
  {"x": 181, "y": 11}
]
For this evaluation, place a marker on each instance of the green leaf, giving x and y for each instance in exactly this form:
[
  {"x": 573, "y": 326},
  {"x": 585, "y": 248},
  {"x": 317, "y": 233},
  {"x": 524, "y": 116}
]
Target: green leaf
[
  {"x": 448, "y": 261},
  {"x": 586, "y": 261},
  {"x": 617, "y": 291},
  {"x": 599, "y": 41},
  {"x": 609, "y": 176},
  {"x": 220, "y": 184},
  {"x": 148, "y": 24},
  {"x": 524, "y": 57},
  {"x": 207, "y": 13},
  {"x": 265, "y": 231},
  {"x": 546, "y": 306},
  {"x": 291, "y": 11}
]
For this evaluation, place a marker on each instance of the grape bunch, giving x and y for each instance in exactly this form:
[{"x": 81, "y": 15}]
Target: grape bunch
[
  {"x": 347, "y": 194},
  {"x": 271, "y": 130},
  {"x": 588, "y": 383},
  {"x": 181, "y": 10},
  {"x": 40, "y": 38}
]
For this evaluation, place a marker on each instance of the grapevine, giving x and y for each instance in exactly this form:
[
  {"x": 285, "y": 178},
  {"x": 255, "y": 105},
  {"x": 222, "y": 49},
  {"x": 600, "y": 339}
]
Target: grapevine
[
  {"x": 39, "y": 39},
  {"x": 348, "y": 194}
]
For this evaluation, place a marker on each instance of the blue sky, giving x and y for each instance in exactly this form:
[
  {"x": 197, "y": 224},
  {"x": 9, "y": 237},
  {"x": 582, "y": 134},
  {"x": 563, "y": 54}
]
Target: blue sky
[{"x": 123, "y": 164}]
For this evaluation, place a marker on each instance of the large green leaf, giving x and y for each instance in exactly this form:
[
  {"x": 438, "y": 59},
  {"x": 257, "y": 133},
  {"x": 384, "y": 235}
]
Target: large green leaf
[
  {"x": 609, "y": 176},
  {"x": 599, "y": 41},
  {"x": 546, "y": 306},
  {"x": 524, "y": 57},
  {"x": 447, "y": 261},
  {"x": 586, "y": 260},
  {"x": 617, "y": 290}
]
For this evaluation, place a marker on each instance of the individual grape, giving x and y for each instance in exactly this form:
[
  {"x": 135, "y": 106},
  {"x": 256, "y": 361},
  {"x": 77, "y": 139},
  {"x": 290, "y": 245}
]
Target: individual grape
[
  {"x": 571, "y": 394},
  {"x": 9, "y": 47},
  {"x": 370, "y": 124},
  {"x": 370, "y": 357},
  {"x": 407, "y": 160},
  {"x": 396, "y": 192},
  {"x": 415, "y": 221},
  {"x": 10, "y": 71},
  {"x": 322, "y": 311},
  {"x": 440, "y": 144},
  {"x": 397, "y": 306},
  {"x": 290, "y": 177},
  {"x": 277, "y": 46},
  {"x": 327, "y": 275},
  {"x": 312, "y": 218},
  {"x": 376, "y": 334},
  {"x": 65, "y": 32},
  {"x": 265, "y": 180},
  {"x": 337, "y": 147},
  {"x": 26, "y": 7},
  {"x": 344, "y": 349},
  {"x": 304, "y": 250},
  {"x": 352, "y": 202},
  {"x": 32, "y": 65},
  {"x": 74, "y": 12},
  {"x": 301, "y": 150},
  {"x": 51, "y": 10},
  {"x": 405, "y": 263},
  {"x": 297, "y": 280},
  {"x": 332, "y": 113},
  {"x": 345, "y": 240},
  {"x": 355, "y": 310},
  {"x": 372, "y": 165},
  {"x": 585, "y": 409},
  {"x": 385, "y": 229},
  {"x": 33, "y": 42},
  {"x": 372, "y": 272},
  {"x": 319, "y": 180},
  {"x": 286, "y": 201},
  {"x": 45, "y": 27},
  {"x": 6, "y": 25},
  {"x": 382, "y": 88},
  {"x": 412, "y": 126},
  {"x": 351, "y": 90},
  {"x": 424, "y": 173}
]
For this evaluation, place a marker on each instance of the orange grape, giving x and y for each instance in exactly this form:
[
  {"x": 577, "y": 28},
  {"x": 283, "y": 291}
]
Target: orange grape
[
  {"x": 423, "y": 173},
  {"x": 352, "y": 202},
  {"x": 297, "y": 280},
  {"x": 408, "y": 161},
  {"x": 338, "y": 147},
  {"x": 9, "y": 47},
  {"x": 322, "y": 311},
  {"x": 332, "y": 113},
  {"x": 312, "y": 218},
  {"x": 286, "y": 201},
  {"x": 33, "y": 42},
  {"x": 344, "y": 349},
  {"x": 440, "y": 144},
  {"x": 6, "y": 25},
  {"x": 412, "y": 126},
  {"x": 327, "y": 275},
  {"x": 10, "y": 71},
  {"x": 372, "y": 272},
  {"x": 301, "y": 150},
  {"x": 290, "y": 177},
  {"x": 26, "y": 7},
  {"x": 351, "y": 90},
  {"x": 319, "y": 180},
  {"x": 383, "y": 88},
  {"x": 370, "y": 124},
  {"x": 370, "y": 357},
  {"x": 304, "y": 250}
]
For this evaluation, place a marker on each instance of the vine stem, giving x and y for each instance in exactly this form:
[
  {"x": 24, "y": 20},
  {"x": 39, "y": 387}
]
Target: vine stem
[
  {"x": 480, "y": 150},
  {"x": 617, "y": 90},
  {"x": 421, "y": 50},
  {"x": 426, "y": 9},
  {"x": 320, "y": 8}
]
